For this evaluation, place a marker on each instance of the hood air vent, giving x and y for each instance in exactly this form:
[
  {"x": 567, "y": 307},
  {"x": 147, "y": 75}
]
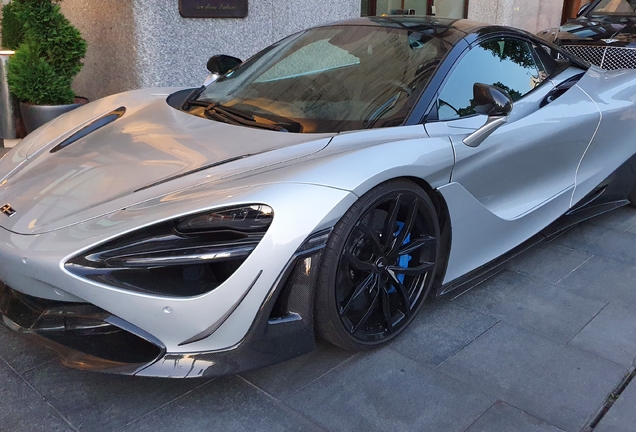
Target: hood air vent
[{"x": 91, "y": 127}]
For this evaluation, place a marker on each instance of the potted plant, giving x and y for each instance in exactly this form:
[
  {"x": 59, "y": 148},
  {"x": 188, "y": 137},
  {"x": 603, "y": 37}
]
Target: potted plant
[{"x": 48, "y": 56}]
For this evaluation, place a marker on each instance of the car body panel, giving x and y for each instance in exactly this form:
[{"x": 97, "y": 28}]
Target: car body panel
[
  {"x": 535, "y": 167},
  {"x": 540, "y": 176},
  {"x": 43, "y": 271},
  {"x": 112, "y": 167},
  {"x": 479, "y": 235},
  {"x": 358, "y": 161},
  {"x": 614, "y": 93},
  {"x": 163, "y": 165}
]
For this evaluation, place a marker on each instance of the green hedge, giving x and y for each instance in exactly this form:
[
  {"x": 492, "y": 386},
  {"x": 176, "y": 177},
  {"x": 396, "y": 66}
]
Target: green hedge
[
  {"x": 49, "y": 55},
  {"x": 12, "y": 31}
]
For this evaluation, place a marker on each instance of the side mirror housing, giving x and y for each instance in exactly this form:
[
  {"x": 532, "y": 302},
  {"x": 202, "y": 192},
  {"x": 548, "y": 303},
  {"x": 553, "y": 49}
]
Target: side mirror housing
[
  {"x": 222, "y": 64},
  {"x": 493, "y": 102}
]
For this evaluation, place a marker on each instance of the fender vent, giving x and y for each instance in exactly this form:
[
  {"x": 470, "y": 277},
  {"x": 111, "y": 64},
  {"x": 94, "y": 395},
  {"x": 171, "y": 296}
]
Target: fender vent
[{"x": 91, "y": 127}]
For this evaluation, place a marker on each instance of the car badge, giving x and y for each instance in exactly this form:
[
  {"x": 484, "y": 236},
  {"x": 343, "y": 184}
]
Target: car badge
[
  {"x": 7, "y": 209},
  {"x": 609, "y": 41}
]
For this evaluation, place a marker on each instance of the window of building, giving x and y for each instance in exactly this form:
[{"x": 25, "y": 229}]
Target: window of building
[{"x": 440, "y": 8}]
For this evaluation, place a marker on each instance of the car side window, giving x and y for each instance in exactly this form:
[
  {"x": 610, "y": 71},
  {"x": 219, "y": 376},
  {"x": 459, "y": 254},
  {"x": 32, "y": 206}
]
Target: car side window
[{"x": 503, "y": 62}]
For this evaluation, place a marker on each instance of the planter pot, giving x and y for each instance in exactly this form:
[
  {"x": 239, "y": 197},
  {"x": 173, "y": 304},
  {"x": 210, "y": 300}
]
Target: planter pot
[{"x": 35, "y": 116}]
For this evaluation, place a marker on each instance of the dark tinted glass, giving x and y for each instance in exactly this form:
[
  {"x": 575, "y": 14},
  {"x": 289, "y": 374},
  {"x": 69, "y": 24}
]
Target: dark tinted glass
[
  {"x": 615, "y": 7},
  {"x": 333, "y": 79},
  {"x": 546, "y": 58},
  {"x": 506, "y": 63}
]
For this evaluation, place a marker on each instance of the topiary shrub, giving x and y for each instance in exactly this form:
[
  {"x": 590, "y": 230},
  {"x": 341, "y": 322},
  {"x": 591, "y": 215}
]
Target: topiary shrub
[
  {"x": 49, "y": 56},
  {"x": 12, "y": 29},
  {"x": 33, "y": 79}
]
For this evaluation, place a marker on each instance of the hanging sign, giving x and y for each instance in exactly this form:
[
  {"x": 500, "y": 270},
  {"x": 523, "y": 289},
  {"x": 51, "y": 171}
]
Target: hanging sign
[{"x": 213, "y": 8}]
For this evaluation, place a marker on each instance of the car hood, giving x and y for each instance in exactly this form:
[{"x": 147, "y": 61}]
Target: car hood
[
  {"x": 150, "y": 150},
  {"x": 605, "y": 30}
]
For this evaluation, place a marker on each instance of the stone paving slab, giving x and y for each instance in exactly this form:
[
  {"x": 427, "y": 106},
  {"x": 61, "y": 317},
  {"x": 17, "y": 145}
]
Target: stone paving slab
[
  {"x": 537, "y": 347},
  {"x": 533, "y": 304},
  {"x": 502, "y": 417},
  {"x": 601, "y": 241},
  {"x": 440, "y": 330},
  {"x": 23, "y": 409},
  {"x": 385, "y": 391},
  {"x": 622, "y": 415},
  {"x": 561, "y": 385},
  {"x": 622, "y": 219},
  {"x": 21, "y": 354},
  {"x": 285, "y": 379},
  {"x": 101, "y": 402},
  {"x": 548, "y": 262},
  {"x": 604, "y": 279},
  {"x": 225, "y": 404},
  {"x": 610, "y": 335}
]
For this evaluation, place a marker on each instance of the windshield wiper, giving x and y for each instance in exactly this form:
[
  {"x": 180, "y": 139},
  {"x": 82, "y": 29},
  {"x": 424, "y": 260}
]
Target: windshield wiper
[
  {"x": 235, "y": 116},
  {"x": 189, "y": 101},
  {"x": 382, "y": 110}
]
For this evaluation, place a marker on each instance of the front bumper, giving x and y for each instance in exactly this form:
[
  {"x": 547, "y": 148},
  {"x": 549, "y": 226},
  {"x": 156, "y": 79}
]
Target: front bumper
[
  {"x": 86, "y": 337},
  {"x": 82, "y": 335},
  {"x": 197, "y": 335}
]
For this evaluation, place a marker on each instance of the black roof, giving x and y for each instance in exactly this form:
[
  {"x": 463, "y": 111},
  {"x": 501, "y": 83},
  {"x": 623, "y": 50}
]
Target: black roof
[{"x": 449, "y": 29}]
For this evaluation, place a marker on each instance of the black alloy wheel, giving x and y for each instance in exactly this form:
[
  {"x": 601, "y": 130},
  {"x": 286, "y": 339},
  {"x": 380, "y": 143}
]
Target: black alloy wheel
[{"x": 379, "y": 266}]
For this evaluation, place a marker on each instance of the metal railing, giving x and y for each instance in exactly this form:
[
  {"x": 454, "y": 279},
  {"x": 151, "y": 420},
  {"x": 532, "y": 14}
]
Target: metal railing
[{"x": 9, "y": 108}]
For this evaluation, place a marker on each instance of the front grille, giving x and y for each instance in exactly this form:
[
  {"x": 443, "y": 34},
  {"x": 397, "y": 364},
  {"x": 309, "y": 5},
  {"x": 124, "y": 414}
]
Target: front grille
[
  {"x": 619, "y": 58},
  {"x": 82, "y": 335},
  {"x": 605, "y": 57}
]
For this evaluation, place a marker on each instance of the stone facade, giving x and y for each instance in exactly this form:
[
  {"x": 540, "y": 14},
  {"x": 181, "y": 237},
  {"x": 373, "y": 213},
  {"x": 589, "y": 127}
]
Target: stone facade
[
  {"x": 146, "y": 43},
  {"x": 111, "y": 64},
  {"x": 530, "y": 15}
]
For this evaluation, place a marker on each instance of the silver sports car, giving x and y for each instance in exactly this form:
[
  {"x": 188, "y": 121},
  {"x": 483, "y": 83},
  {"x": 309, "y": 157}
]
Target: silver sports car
[{"x": 328, "y": 185}]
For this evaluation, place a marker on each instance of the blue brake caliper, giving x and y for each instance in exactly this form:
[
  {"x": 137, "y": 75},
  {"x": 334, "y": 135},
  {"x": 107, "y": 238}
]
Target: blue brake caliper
[{"x": 404, "y": 259}]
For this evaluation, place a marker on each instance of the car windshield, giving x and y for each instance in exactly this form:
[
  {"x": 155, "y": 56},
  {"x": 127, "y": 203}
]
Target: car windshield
[
  {"x": 615, "y": 7},
  {"x": 329, "y": 79}
]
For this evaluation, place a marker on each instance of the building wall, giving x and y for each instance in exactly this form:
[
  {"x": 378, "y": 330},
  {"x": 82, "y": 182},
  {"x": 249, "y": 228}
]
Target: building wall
[
  {"x": 110, "y": 65},
  {"x": 530, "y": 15},
  {"x": 146, "y": 43}
]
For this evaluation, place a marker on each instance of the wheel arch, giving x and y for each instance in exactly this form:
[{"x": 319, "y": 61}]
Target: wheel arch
[
  {"x": 328, "y": 325},
  {"x": 443, "y": 216}
]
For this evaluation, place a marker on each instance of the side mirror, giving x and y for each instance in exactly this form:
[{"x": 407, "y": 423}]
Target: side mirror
[
  {"x": 493, "y": 102},
  {"x": 490, "y": 100},
  {"x": 222, "y": 64}
]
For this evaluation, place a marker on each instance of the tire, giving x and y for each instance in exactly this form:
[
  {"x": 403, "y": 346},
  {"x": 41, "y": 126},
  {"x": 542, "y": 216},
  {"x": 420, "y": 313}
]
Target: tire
[{"x": 368, "y": 288}]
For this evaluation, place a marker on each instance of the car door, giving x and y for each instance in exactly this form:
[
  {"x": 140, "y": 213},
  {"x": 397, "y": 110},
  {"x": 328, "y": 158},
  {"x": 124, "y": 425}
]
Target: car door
[{"x": 534, "y": 156}]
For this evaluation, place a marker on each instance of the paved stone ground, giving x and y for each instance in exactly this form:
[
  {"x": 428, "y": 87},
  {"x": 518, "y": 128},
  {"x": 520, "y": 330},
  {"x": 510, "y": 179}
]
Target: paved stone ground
[{"x": 537, "y": 347}]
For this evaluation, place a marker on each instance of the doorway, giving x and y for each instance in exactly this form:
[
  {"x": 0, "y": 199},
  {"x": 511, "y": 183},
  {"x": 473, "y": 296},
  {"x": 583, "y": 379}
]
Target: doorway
[{"x": 571, "y": 8}]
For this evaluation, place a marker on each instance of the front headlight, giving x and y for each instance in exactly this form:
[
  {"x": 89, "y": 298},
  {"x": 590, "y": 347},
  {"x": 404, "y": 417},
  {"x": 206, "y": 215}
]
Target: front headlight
[{"x": 184, "y": 257}]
